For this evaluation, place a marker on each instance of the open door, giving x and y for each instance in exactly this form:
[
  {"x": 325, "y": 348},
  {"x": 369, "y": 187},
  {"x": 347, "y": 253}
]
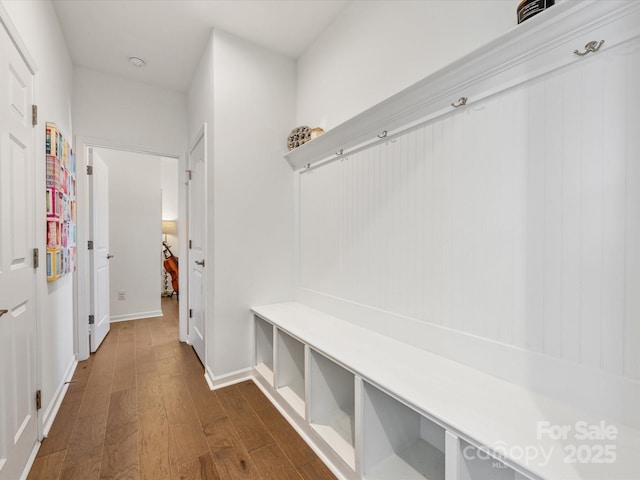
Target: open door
[
  {"x": 197, "y": 242},
  {"x": 99, "y": 318}
]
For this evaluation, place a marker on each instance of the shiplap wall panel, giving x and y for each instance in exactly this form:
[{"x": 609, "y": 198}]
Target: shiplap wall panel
[
  {"x": 632, "y": 273},
  {"x": 613, "y": 213},
  {"x": 571, "y": 205},
  {"x": 515, "y": 219},
  {"x": 591, "y": 214}
]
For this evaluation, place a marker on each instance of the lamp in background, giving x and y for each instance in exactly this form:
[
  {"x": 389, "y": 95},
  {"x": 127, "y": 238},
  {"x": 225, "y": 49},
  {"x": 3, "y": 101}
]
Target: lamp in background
[
  {"x": 169, "y": 226},
  {"x": 170, "y": 261}
]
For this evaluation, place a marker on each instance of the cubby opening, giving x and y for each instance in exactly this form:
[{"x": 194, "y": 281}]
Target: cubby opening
[
  {"x": 332, "y": 404},
  {"x": 478, "y": 464},
  {"x": 264, "y": 348},
  {"x": 398, "y": 441},
  {"x": 290, "y": 375}
]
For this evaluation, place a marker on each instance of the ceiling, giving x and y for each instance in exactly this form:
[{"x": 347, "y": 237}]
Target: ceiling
[{"x": 170, "y": 35}]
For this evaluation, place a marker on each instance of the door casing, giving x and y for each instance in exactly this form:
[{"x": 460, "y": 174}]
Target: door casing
[{"x": 83, "y": 299}]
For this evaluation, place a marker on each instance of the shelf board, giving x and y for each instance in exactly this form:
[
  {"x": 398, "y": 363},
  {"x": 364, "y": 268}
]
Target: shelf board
[
  {"x": 265, "y": 371},
  {"x": 337, "y": 441},
  {"x": 292, "y": 397},
  {"x": 418, "y": 461},
  {"x": 505, "y": 61}
]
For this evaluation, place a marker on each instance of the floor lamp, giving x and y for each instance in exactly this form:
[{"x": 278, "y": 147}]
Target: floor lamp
[{"x": 168, "y": 227}]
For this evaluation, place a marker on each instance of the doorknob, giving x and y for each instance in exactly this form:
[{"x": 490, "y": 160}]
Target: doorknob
[
  {"x": 109, "y": 256},
  {"x": 201, "y": 262},
  {"x": 2, "y": 312}
]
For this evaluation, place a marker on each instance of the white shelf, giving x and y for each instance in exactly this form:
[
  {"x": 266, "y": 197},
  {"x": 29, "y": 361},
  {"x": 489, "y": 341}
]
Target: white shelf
[
  {"x": 539, "y": 45},
  {"x": 469, "y": 402},
  {"x": 332, "y": 405},
  {"x": 264, "y": 332},
  {"x": 290, "y": 366},
  {"x": 399, "y": 442}
]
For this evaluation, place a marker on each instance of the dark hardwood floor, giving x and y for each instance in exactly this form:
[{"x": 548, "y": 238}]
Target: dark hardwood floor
[{"x": 140, "y": 408}]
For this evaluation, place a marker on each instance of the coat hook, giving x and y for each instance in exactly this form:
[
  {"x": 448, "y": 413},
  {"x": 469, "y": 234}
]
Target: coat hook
[
  {"x": 339, "y": 152},
  {"x": 461, "y": 101},
  {"x": 590, "y": 47},
  {"x": 383, "y": 134}
]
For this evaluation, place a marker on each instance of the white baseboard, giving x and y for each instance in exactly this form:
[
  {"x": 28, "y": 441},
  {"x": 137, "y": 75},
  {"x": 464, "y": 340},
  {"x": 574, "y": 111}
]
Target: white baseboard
[
  {"x": 227, "y": 379},
  {"x": 135, "y": 316},
  {"x": 32, "y": 458},
  {"x": 51, "y": 411}
]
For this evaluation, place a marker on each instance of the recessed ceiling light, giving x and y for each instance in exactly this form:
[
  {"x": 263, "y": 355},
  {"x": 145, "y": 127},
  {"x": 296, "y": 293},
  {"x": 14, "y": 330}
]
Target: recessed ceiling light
[{"x": 137, "y": 62}]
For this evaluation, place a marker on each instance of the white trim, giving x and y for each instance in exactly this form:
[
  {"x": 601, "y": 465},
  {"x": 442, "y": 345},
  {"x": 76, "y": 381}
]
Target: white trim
[
  {"x": 208, "y": 254},
  {"x": 228, "y": 379},
  {"x": 135, "y": 316},
  {"x": 81, "y": 143},
  {"x": 52, "y": 410},
  {"x": 32, "y": 458}
]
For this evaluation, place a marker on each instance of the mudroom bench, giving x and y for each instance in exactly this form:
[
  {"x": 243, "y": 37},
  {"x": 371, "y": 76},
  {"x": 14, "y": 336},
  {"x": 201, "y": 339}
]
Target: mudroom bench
[{"x": 377, "y": 408}]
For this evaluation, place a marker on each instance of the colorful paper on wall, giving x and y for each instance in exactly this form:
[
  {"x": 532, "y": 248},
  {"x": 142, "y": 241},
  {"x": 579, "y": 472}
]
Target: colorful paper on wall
[{"x": 61, "y": 205}]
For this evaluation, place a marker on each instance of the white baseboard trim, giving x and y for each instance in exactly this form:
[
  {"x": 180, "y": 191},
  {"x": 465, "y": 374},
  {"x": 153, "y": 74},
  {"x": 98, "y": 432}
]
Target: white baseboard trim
[
  {"x": 135, "y": 316},
  {"x": 227, "y": 379},
  {"x": 32, "y": 458},
  {"x": 51, "y": 411}
]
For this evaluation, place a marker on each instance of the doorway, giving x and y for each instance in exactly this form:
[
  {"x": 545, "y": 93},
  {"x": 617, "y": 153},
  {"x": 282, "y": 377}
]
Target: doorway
[{"x": 135, "y": 232}]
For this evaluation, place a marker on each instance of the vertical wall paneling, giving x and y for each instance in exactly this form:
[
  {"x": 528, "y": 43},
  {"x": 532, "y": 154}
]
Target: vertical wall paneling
[
  {"x": 571, "y": 213},
  {"x": 632, "y": 274},
  {"x": 535, "y": 199},
  {"x": 613, "y": 213},
  {"x": 591, "y": 228},
  {"x": 551, "y": 129},
  {"x": 515, "y": 219}
]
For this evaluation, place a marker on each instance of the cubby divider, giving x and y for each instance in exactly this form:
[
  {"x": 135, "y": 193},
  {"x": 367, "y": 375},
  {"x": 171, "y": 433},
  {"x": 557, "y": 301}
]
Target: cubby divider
[
  {"x": 331, "y": 410},
  {"x": 290, "y": 375},
  {"x": 264, "y": 332},
  {"x": 399, "y": 442}
]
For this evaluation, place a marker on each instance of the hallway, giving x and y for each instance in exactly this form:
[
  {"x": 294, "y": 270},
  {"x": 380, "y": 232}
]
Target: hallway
[{"x": 140, "y": 408}]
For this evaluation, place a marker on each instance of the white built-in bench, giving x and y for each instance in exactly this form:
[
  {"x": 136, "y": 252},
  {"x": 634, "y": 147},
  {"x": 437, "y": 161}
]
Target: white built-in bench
[{"x": 382, "y": 409}]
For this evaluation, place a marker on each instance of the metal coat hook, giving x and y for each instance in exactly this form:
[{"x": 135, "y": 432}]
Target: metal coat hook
[
  {"x": 590, "y": 47},
  {"x": 339, "y": 152},
  {"x": 461, "y": 102},
  {"x": 383, "y": 134}
]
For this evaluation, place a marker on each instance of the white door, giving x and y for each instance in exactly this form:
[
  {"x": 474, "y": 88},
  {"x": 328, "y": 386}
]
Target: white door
[
  {"x": 197, "y": 265},
  {"x": 18, "y": 414},
  {"x": 99, "y": 200}
]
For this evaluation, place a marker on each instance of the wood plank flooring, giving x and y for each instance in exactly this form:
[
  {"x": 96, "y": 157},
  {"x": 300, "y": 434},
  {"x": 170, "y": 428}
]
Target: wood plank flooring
[{"x": 140, "y": 409}]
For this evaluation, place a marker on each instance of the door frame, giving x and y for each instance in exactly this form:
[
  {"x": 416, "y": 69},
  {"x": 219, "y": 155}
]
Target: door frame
[
  {"x": 83, "y": 278},
  {"x": 208, "y": 256}
]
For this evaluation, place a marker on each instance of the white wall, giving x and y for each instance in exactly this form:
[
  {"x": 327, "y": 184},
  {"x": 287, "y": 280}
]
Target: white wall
[
  {"x": 247, "y": 96},
  {"x": 375, "y": 49},
  {"x": 38, "y": 27},
  {"x": 130, "y": 113},
  {"x": 135, "y": 238}
]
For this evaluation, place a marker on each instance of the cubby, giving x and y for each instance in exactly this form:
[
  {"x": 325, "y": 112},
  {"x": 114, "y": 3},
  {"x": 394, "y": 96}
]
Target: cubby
[
  {"x": 290, "y": 371},
  {"x": 477, "y": 464},
  {"x": 264, "y": 348},
  {"x": 332, "y": 405},
  {"x": 398, "y": 441}
]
